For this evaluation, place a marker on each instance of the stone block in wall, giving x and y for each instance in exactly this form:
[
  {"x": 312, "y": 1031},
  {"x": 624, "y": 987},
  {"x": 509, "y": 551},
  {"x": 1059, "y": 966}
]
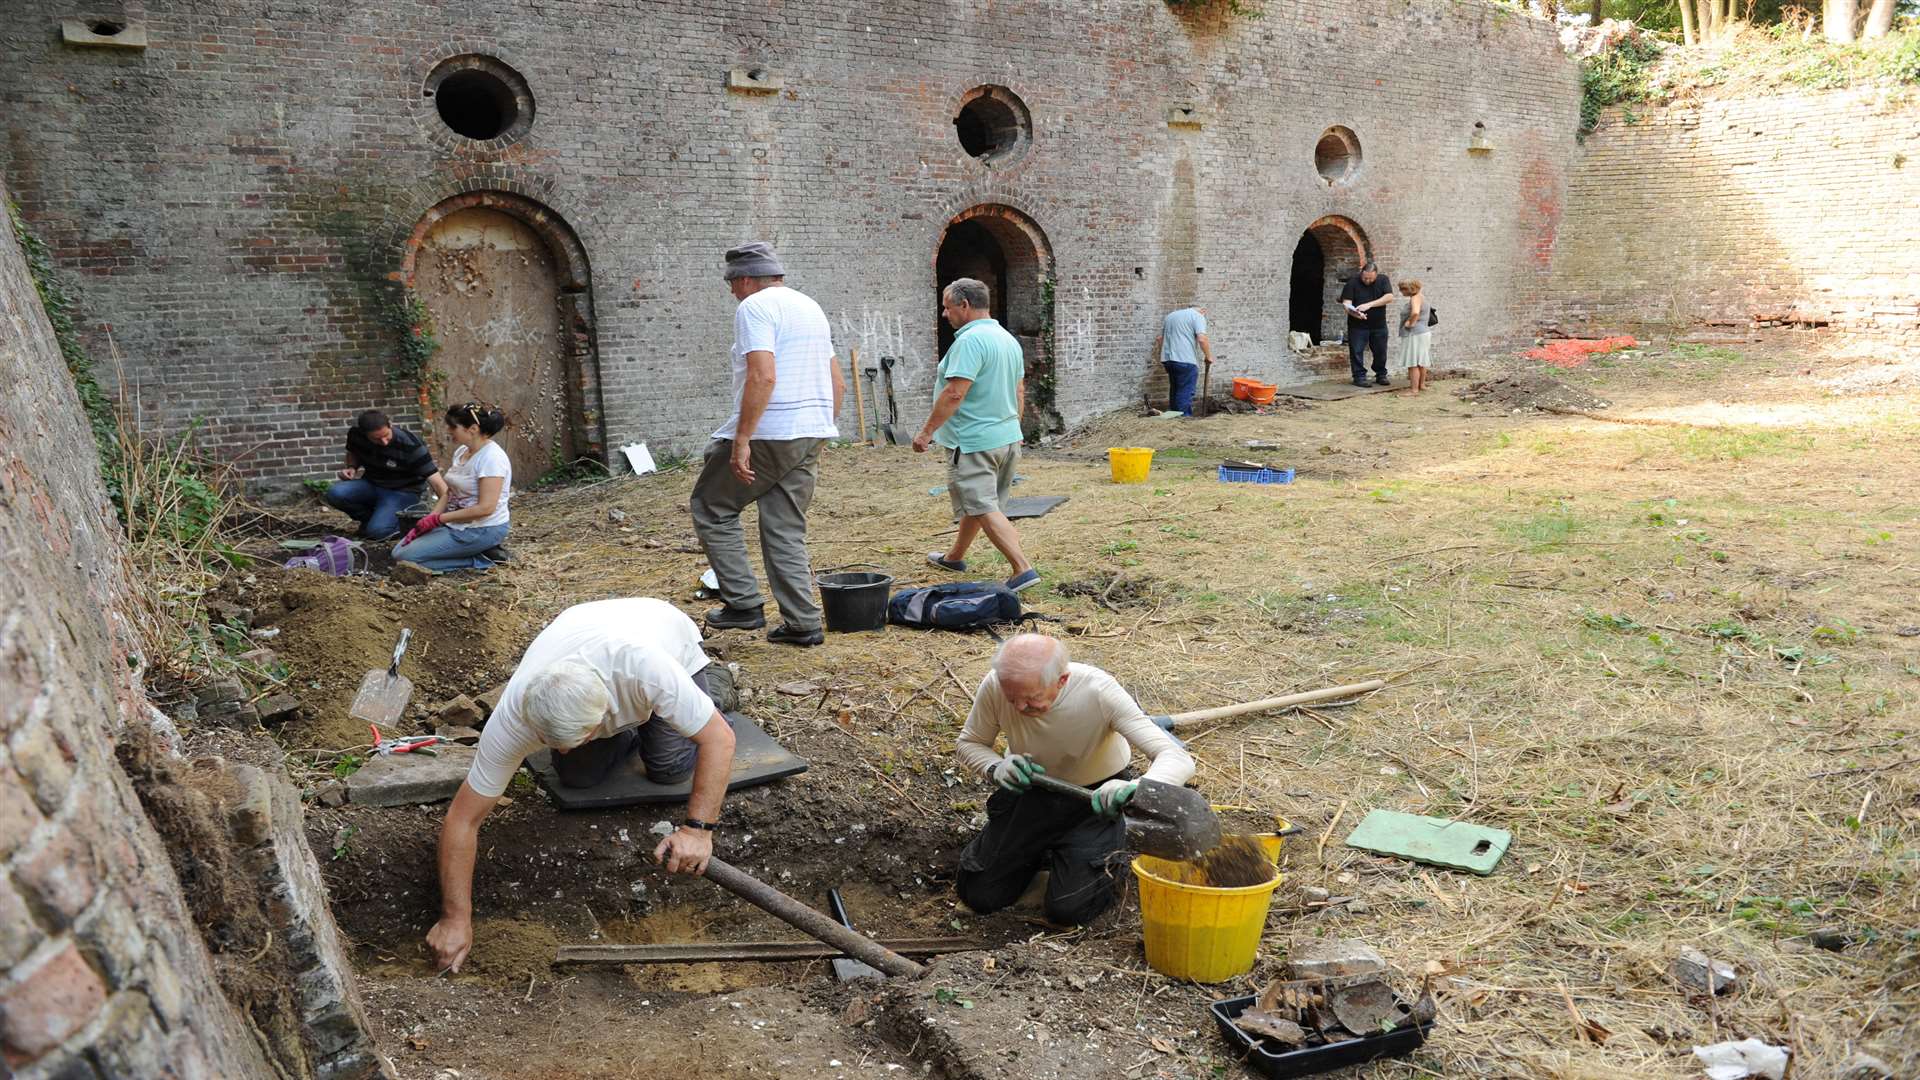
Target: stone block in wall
[
  {"x": 266, "y": 817},
  {"x": 47, "y": 1002}
]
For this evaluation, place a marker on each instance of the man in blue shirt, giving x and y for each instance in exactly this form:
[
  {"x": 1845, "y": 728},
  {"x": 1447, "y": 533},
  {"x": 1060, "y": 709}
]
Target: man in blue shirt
[
  {"x": 1181, "y": 344},
  {"x": 976, "y": 419}
]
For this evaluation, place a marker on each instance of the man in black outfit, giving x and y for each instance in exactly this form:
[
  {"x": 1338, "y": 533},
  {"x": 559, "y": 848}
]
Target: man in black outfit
[
  {"x": 1366, "y": 297},
  {"x": 385, "y": 469}
]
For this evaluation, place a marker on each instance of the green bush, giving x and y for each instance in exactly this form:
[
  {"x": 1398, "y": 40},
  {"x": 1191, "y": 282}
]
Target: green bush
[{"x": 1616, "y": 76}]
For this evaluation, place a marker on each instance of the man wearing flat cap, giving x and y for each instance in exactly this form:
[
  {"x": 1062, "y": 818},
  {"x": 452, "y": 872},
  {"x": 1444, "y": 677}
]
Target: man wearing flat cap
[{"x": 786, "y": 404}]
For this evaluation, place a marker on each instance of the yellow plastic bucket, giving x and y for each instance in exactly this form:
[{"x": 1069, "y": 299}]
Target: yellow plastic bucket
[
  {"x": 1129, "y": 463},
  {"x": 1199, "y": 932}
]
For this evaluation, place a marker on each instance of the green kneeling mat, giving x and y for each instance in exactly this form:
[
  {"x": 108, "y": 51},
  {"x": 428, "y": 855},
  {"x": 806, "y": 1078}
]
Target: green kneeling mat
[
  {"x": 757, "y": 759},
  {"x": 1457, "y": 845}
]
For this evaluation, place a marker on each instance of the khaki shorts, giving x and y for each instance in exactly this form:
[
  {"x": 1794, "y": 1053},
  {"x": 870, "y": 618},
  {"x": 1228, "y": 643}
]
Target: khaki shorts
[{"x": 978, "y": 482}]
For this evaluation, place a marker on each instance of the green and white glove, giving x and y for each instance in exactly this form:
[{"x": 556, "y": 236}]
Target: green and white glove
[
  {"x": 1112, "y": 796},
  {"x": 1015, "y": 772}
]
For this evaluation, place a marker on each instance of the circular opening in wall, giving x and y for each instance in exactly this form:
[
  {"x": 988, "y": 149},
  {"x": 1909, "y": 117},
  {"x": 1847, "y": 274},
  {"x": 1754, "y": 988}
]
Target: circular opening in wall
[
  {"x": 1337, "y": 155},
  {"x": 993, "y": 124},
  {"x": 105, "y": 28},
  {"x": 480, "y": 98}
]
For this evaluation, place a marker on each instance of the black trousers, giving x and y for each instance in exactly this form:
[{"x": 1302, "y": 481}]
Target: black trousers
[
  {"x": 668, "y": 755},
  {"x": 1032, "y": 830},
  {"x": 1359, "y": 337}
]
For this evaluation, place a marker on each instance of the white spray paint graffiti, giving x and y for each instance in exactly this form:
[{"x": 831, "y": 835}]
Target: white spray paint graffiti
[
  {"x": 880, "y": 333},
  {"x": 1074, "y": 337}
]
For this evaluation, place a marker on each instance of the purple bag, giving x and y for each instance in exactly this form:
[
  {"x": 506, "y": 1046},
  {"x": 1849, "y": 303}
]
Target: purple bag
[{"x": 334, "y": 555}]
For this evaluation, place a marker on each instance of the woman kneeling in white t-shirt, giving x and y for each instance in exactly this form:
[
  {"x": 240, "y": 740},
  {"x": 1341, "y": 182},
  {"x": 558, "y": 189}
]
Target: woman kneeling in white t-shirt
[{"x": 474, "y": 507}]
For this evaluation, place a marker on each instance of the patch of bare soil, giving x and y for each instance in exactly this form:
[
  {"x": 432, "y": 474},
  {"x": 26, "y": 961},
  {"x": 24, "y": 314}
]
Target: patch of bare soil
[
  {"x": 1529, "y": 391},
  {"x": 467, "y": 633}
]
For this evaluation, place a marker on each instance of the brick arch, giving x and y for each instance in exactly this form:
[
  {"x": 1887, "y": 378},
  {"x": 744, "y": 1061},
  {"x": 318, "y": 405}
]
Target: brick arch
[
  {"x": 1014, "y": 245},
  {"x": 575, "y": 282},
  {"x": 1330, "y": 250}
]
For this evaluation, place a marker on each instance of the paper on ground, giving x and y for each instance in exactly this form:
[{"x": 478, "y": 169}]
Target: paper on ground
[
  {"x": 1748, "y": 1057},
  {"x": 638, "y": 459}
]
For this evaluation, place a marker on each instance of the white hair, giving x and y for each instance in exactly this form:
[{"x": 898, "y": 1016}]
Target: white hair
[
  {"x": 565, "y": 703},
  {"x": 1038, "y": 655}
]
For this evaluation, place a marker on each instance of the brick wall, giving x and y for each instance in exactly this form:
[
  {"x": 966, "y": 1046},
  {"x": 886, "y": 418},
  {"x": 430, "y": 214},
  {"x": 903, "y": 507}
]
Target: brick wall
[
  {"x": 102, "y": 973},
  {"x": 1803, "y": 203},
  {"x": 233, "y": 196}
]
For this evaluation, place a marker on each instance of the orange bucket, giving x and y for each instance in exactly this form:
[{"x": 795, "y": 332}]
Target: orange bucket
[
  {"x": 1243, "y": 386},
  {"x": 1262, "y": 393}
]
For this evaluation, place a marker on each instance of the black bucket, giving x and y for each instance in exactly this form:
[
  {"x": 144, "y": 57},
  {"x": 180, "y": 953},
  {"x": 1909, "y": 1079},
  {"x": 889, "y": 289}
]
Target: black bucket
[{"x": 854, "y": 601}]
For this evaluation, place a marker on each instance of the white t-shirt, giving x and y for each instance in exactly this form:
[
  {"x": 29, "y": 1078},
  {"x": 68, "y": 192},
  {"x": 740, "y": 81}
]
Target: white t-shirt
[
  {"x": 463, "y": 483},
  {"x": 792, "y": 327},
  {"x": 647, "y": 651},
  {"x": 1089, "y": 734}
]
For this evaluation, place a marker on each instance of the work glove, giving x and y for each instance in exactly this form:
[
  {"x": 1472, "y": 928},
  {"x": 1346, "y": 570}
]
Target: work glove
[
  {"x": 1112, "y": 796},
  {"x": 1015, "y": 772},
  {"x": 426, "y": 525}
]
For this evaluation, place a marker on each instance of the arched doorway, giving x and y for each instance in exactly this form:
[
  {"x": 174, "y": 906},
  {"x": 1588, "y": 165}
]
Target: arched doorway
[
  {"x": 506, "y": 284},
  {"x": 1006, "y": 249},
  {"x": 1330, "y": 251}
]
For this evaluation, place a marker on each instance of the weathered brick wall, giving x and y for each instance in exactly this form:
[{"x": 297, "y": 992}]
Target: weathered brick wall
[
  {"x": 1803, "y": 202},
  {"x": 233, "y": 196},
  {"x": 102, "y": 973}
]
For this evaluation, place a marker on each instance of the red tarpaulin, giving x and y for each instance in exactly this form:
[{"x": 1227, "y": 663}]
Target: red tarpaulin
[{"x": 1572, "y": 352}]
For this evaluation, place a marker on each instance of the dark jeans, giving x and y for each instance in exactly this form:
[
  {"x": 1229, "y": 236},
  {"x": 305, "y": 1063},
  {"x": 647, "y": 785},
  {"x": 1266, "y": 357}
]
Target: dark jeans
[
  {"x": 1359, "y": 336},
  {"x": 376, "y": 508},
  {"x": 1032, "y": 829},
  {"x": 1181, "y": 379},
  {"x": 667, "y": 754}
]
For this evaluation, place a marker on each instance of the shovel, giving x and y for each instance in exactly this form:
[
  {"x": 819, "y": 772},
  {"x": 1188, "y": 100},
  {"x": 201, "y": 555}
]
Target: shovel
[
  {"x": 815, "y": 925},
  {"x": 1162, "y": 820},
  {"x": 384, "y": 695}
]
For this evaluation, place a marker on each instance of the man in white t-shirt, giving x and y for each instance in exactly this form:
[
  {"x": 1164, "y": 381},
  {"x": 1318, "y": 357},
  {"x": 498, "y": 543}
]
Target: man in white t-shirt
[
  {"x": 786, "y": 405},
  {"x": 602, "y": 682},
  {"x": 1073, "y": 722}
]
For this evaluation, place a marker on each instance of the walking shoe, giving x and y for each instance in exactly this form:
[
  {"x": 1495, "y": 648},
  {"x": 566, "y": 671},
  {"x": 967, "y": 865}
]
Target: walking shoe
[
  {"x": 790, "y": 635},
  {"x": 1026, "y": 579},
  {"x": 727, "y": 618},
  {"x": 1361, "y": 382},
  {"x": 497, "y": 553},
  {"x": 958, "y": 566},
  {"x": 1383, "y": 381}
]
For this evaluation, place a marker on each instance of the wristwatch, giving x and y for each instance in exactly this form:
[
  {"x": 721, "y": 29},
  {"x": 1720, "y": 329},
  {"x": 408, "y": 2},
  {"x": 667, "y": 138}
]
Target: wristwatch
[{"x": 696, "y": 823}]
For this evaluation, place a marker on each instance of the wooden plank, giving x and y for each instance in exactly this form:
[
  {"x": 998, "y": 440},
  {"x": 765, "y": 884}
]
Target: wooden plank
[{"x": 771, "y": 952}]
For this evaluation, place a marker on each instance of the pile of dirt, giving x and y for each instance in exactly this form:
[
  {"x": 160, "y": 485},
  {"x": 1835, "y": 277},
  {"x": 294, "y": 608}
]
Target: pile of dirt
[
  {"x": 1115, "y": 591},
  {"x": 466, "y": 638},
  {"x": 1527, "y": 391}
]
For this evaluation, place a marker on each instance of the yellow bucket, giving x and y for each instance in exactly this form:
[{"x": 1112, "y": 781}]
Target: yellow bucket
[
  {"x": 1199, "y": 932},
  {"x": 1129, "y": 463}
]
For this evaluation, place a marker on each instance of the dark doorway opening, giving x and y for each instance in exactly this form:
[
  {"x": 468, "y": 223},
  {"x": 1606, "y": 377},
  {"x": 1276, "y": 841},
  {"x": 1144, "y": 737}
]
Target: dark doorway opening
[
  {"x": 1330, "y": 251},
  {"x": 970, "y": 251},
  {"x": 1005, "y": 249},
  {"x": 1303, "y": 299}
]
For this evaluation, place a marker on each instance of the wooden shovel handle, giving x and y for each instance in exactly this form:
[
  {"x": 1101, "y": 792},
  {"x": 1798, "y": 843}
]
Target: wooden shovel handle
[
  {"x": 815, "y": 925},
  {"x": 1060, "y": 787},
  {"x": 1331, "y": 693}
]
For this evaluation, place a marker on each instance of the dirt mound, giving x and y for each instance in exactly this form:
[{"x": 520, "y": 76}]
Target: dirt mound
[
  {"x": 1116, "y": 591},
  {"x": 1523, "y": 391},
  {"x": 466, "y": 639}
]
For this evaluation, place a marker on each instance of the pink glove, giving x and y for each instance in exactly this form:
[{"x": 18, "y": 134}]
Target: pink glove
[{"x": 427, "y": 524}]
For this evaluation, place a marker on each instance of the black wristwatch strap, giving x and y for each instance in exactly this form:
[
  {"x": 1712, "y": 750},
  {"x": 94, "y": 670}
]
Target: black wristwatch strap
[{"x": 696, "y": 823}]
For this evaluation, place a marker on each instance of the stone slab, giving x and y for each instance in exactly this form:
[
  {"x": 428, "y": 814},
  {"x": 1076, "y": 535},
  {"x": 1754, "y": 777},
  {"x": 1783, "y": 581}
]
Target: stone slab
[
  {"x": 1327, "y": 958},
  {"x": 1031, "y": 506},
  {"x": 410, "y": 779},
  {"x": 757, "y": 759}
]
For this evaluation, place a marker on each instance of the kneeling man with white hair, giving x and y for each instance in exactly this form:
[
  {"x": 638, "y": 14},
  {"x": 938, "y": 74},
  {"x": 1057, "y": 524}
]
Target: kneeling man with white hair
[
  {"x": 602, "y": 682},
  {"x": 1073, "y": 722}
]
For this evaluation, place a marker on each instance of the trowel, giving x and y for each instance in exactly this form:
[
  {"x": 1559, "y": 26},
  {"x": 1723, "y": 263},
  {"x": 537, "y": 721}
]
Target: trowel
[
  {"x": 384, "y": 694},
  {"x": 1162, "y": 820}
]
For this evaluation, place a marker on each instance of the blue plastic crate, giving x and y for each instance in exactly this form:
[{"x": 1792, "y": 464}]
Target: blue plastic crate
[{"x": 1255, "y": 476}]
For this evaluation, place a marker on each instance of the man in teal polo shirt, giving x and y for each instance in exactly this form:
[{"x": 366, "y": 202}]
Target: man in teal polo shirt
[{"x": 976, "y": 419}]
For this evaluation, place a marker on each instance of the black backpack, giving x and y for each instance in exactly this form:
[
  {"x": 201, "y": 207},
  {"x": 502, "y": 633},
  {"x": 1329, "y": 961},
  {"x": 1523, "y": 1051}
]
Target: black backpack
[{"x": 959, "y": 605}]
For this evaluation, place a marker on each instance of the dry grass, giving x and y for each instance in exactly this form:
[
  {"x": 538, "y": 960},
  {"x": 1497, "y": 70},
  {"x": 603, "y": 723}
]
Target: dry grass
[{"x": 1669, "y": 658}]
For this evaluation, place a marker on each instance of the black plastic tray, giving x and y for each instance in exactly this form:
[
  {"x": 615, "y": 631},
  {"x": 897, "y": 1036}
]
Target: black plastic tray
[{"x": 1311, "y": 1059}]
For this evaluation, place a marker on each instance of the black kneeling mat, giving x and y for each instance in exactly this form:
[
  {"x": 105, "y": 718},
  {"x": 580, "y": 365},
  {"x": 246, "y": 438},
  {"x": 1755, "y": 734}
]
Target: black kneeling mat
[
  {"x": 1030, "y": 506},
  {"x": 757, "y": 759}
]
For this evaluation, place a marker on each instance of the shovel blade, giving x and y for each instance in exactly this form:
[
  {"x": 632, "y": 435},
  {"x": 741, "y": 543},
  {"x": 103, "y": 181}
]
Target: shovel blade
[
  {"x": 1171, "y": 822},
  {"x": 382, "y": 698}
]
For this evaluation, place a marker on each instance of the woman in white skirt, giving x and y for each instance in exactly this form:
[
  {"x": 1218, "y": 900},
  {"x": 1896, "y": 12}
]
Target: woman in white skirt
[{"x": 1416, "y": 335}]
